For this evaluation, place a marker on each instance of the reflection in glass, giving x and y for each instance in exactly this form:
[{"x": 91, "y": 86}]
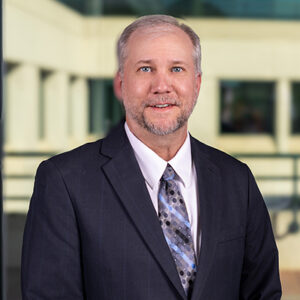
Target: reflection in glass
[
  {"x": 247, "y": 107},
  {"x": 257, "y": 9},
  {"x": 295, "y": 113},
  {"x": 105, "y": 110}
]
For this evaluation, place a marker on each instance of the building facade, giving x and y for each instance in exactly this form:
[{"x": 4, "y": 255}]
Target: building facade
[{"x": 59, "y": 66}]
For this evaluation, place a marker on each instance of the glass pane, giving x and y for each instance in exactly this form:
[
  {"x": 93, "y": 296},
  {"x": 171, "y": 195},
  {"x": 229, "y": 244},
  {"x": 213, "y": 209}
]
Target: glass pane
[
  {"x": 295, "y": 113},
  {"x": 13, "y": 228},
  {"x": 267, "y": 9},
  {"x": 247, "y": 107},
  {"x": 104, "y": 108}
]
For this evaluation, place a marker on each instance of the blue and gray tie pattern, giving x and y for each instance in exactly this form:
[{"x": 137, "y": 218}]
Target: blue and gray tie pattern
[{"x": 176, "y": 227}]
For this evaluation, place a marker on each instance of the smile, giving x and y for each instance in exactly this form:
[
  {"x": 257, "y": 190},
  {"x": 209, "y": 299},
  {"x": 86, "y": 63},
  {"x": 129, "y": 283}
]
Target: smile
[{"x": 161, "y": 105}]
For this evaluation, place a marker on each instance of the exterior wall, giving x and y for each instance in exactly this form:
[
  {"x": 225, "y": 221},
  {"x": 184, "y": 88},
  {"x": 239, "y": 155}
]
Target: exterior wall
[
  {"x": 63, "y": 40},
  {"x": 43, "y": 36}
]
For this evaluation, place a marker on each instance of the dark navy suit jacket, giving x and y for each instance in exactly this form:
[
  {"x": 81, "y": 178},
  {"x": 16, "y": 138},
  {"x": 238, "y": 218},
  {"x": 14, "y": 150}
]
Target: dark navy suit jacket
[{"x": 93, "y": 233}]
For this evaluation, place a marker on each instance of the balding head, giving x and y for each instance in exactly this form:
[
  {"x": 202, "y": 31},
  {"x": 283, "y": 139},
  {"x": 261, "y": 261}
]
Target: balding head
[{"x": 160, "y": 22}]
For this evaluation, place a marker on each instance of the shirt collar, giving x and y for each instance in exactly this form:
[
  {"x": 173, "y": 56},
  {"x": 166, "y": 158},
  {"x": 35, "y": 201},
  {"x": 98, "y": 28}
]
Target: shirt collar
[
  {"x": 153, "y": 166},
  {"x": 182, "y": 162}
]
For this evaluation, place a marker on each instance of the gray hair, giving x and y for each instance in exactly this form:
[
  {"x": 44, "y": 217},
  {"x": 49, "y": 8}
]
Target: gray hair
[{"x": 153, "y": 21}]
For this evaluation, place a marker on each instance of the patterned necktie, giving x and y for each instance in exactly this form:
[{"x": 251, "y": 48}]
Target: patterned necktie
[{"x": 174, "y": 221}]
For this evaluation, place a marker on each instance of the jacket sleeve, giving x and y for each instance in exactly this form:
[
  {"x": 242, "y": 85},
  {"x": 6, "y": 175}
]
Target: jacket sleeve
[
  {"x": 51, "y": 265},
  {"x": 260, "y": 275}
]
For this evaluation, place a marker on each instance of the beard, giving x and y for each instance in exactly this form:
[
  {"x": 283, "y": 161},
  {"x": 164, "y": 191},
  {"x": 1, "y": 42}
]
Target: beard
[{"x": 163, "y": 126}]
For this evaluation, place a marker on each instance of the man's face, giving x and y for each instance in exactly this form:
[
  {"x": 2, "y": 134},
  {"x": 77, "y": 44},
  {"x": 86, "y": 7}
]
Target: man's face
[{"x": 159, "y": 85}]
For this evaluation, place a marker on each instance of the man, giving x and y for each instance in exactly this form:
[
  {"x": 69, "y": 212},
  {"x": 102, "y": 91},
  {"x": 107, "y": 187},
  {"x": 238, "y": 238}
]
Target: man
[{"x": 149, "y": 212}]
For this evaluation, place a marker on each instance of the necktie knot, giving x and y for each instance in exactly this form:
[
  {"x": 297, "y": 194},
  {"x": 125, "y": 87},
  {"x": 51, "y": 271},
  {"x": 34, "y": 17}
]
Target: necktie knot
[{"x": 169, "y": 173}]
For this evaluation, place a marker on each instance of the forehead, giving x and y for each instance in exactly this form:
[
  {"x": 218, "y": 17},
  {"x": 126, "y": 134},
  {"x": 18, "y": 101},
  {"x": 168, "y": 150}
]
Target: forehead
[{"x": 158, "y": 39}]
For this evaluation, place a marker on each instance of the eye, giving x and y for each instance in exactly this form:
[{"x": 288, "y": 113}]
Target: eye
[
  {"x": 145, "y": 69},
  {"x": 177, "y": 69}
]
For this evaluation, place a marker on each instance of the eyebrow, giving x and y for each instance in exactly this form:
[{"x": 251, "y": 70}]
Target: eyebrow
[
  {"x": 144, "y": 61},
  {"x": 148, "y": 61},
  {"x": 179, "y": 62}
]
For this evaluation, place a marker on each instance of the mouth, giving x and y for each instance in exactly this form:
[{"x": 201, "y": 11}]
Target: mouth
[{"x": 162, "y": 105}]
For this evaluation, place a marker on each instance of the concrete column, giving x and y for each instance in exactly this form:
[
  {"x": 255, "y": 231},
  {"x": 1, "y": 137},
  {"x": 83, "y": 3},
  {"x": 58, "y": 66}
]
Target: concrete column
[
  {"x": 283, "y": 116},
  {"x": 204, "y": 123},
  {"x": 21, "y": 109},
  {"x": 79, "y": 110},
  {"x": 56, "y": 97}
]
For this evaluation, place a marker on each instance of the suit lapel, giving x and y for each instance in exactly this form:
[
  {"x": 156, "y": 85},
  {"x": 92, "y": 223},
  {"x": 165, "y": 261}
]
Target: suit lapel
[
  {"x": 209, "y": 196},
  {"x": 124, "y": 174}
]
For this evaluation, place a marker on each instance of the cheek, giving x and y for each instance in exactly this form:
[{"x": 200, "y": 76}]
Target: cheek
[
  {"x": 185, "y": 88},
  {"x": 140, "y": 90},
  {"x": 136, "y": 87}
]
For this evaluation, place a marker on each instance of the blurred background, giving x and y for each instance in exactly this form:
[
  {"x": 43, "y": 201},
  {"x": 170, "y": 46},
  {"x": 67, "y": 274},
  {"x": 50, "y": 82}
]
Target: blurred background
[{"x": 59, "y": 63}]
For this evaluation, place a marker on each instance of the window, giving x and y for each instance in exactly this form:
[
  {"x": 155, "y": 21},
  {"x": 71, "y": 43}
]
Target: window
[
  {"x": 257, "y": 9},
  {"x": 105, "y": 110},
  {"x": 44, "y": 75},
  {"x": 295, "y": 113},
  {"x": 247, "y": 107}
]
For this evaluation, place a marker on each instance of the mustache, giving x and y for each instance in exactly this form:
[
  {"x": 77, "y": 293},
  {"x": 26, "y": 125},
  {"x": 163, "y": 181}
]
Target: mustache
[{"x": 161, "y": 100}]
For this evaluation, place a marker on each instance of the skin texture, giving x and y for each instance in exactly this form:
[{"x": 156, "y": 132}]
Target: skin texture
[{"x": 158, "y": 70}]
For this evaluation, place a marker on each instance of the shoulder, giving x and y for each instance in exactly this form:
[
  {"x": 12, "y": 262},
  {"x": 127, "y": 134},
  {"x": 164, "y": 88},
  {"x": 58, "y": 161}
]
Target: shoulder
[
  {"x": 81, "y": 154},
  {"x": 217, "y": 157},
  {"x": 90, "y": 156},
  {"x": 80, "y": 159},
  {"x": 232, "y": 172}
]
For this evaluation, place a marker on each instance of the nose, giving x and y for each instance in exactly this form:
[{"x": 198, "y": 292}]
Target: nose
[{"x": 161, "y": 83}]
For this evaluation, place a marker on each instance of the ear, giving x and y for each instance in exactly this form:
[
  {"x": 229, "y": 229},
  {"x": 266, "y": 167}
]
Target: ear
[
  {"x": 198, "y": 82},
  {"x": 118, "y": 86}
]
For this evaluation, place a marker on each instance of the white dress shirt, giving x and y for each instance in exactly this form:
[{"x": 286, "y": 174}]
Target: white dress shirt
[{"x": 153, "y": 167}]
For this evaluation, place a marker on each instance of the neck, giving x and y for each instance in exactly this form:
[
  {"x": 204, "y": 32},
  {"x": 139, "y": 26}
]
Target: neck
[{"x": 165, "y": 146}]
